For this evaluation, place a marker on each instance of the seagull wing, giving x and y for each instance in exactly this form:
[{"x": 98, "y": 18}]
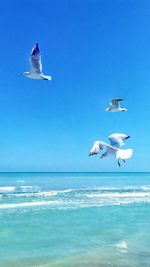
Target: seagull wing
[
  {"x": 117, "y": 140},
  {"x": 35, "y": 60},
  {"x": 115, "y": 102},
  {"x": 97, "y": 147},
  {"x": 124, "y": 153}
]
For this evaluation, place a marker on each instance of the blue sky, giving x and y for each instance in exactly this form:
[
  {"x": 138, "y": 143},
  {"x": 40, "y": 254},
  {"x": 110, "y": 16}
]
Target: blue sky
[{"x": 95, "y": 50}]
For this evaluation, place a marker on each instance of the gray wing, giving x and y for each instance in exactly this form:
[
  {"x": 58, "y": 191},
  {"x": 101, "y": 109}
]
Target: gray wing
[
  {"x": 117, "y": 140},
  {"x": 35, "y": 60},
  {"x": 98, "y": 147},
  {"x": 115, "y": 102}
]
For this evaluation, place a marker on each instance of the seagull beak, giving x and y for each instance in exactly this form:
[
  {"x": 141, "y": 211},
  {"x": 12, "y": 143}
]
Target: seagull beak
[{"x": 128, "y": 137}]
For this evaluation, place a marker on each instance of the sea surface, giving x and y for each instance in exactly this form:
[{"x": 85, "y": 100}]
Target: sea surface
[{"x": 75, "y": 219}]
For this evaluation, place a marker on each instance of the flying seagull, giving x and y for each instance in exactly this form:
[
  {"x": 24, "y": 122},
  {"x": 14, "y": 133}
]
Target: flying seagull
[
  {"x": 116, "y": 141},
  {"x": 36, "y": 65},
  {"x": 115, "y": 105}
]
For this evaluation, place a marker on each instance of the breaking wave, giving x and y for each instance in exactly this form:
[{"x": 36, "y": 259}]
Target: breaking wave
[{"x": 32, "y": 196}]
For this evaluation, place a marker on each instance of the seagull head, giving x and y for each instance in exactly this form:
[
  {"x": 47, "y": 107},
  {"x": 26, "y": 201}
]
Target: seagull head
[{"x": 107, "y": 109}]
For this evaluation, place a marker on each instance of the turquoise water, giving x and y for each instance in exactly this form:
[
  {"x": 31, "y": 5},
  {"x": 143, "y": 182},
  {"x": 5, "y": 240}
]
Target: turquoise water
[{"x": 75, "y": 219}]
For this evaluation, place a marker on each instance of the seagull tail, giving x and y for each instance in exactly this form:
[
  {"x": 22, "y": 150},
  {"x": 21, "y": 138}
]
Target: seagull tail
[
  {"x": 46, "y": 77},
  {"x": 124, "y": 153}
]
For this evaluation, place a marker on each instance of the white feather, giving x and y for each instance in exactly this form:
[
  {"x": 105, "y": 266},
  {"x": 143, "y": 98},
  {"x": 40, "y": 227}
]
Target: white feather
[
  {"x": 36, "y": 65},
  {"x": 117, "y": 139},
  {"x": 124, "y": 153}
]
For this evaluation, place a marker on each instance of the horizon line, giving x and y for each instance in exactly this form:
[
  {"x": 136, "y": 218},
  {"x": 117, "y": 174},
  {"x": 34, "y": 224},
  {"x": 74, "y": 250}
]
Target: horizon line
[{"x": 74, "y": 172}]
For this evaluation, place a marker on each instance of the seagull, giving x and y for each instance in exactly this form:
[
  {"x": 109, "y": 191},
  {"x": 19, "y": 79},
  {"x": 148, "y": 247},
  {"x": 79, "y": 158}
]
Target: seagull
[
  {"x": 115, "y": 105},
  {"x": 36, "y": 65},
  {"x": 116, "y": 141}
]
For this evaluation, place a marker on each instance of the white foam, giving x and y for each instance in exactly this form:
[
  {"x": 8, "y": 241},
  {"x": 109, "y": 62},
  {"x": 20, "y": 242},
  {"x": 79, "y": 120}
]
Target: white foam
[
  {"x": 145, "y": 188},
  {"x": 65, "y": 191},
  {"x": 123, "y": 188},
  {"x": 105, "y": 188},
  {"x": 7, "y": 188},
  {"x": 33, "y": 194},
  {"x": 73, "y": 204},
  {"x": 20, "y": 181},
  {"x": 46, "y": 194},
  {"x": 28, "y": 204},
  {"x": 28, "y": 187},
  {"x": 121, "y": 245},
  {"x": 119, "y": 195}
]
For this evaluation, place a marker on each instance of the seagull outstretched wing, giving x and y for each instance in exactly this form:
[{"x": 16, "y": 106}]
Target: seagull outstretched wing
[
  {"x": 35, "y": 60},
  {"x": 117, "y": 140},
  {"x": 98, "y": 147}
]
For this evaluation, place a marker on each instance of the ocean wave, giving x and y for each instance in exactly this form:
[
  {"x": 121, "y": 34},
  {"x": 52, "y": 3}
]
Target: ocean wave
[
  {"x": 119, "y": 195},
  {"x": 76, "y": 203},
  {"x": 66, "y": 190},
  {"x": 26, "y": 187},
  {"x": 119, "y": 188},
  {"x": 31, "y": 191},
  {"x": 100, "y": 189},
  {"x": 27, "y": 204},
  {"x": 18, "y": 188},
  {"x": 7, "y": 188},
  {"x": 29, "y": 196}
]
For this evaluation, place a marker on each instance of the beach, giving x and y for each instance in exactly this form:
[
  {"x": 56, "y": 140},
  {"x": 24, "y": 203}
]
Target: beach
[{"x": 74, "y": 219}]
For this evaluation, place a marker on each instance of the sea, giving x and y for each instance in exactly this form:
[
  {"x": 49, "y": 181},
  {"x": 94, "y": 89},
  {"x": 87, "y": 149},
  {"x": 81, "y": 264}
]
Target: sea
[{"x": 75, "y": 219}]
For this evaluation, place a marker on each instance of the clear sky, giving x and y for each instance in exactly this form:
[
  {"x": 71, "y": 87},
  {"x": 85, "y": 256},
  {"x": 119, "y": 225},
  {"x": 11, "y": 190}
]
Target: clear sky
[{"x": 95, "y": 50}]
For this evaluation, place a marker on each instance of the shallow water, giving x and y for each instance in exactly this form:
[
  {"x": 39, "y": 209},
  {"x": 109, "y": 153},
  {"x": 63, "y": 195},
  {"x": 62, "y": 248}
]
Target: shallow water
[{"x": 75, "y": 219}]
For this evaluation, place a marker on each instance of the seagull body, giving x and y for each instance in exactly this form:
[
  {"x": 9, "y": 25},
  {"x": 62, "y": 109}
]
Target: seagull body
[
  {"x": 36, "y": 66},
  {"x": 113, "y": 149},
  {"x": 115, "y": 105}
]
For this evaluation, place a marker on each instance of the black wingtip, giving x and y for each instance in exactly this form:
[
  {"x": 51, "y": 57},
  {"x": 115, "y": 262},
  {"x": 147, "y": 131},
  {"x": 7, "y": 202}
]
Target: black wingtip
[
  {"x": 121, "y": 99},
  {"x": 128, "y": 137},
  {"x": 37, "y": 46},
  {"x": 35, "y": 50}
]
